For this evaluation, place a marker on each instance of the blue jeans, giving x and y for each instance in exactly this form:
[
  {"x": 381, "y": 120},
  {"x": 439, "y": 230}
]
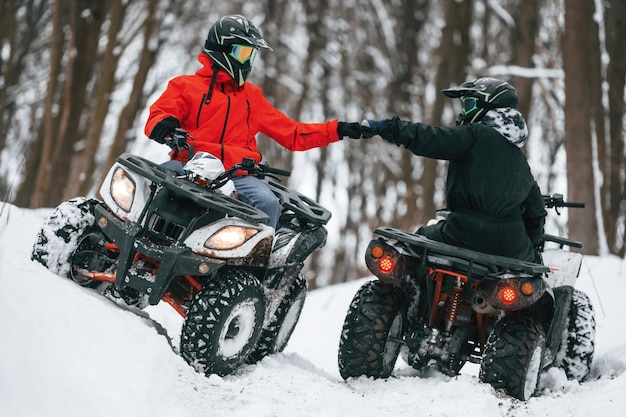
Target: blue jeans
[
  {"x": 250, "y": 190},
  {"x": 257, "y": 193},
  {"x": 174, "y": 165}
]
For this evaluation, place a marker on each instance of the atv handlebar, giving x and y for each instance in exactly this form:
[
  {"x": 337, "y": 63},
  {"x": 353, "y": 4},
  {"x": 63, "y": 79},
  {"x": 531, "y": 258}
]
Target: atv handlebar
[
  {"x": 556, "y": 201},
  {"x": 260, "y": 170},
  {"x": 252, "y": 168},
  {"x": 179, "y": 141}
]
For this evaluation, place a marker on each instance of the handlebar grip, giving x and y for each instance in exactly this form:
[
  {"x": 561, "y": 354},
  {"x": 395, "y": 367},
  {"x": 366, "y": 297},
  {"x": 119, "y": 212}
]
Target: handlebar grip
[
  {"x": 277, "y": 171},
  {"x": 562, "y": 241},
  {"x": 574, "y": 205}
]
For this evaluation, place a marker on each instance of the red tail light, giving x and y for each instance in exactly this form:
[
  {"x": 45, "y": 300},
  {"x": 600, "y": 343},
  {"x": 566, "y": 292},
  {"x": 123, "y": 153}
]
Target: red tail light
[
  {"x": 508, "y": 295},
  {"x": 385, "y": 265}
]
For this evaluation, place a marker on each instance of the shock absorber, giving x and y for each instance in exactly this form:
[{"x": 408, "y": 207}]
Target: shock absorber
[{"x": 453, "y": 304}]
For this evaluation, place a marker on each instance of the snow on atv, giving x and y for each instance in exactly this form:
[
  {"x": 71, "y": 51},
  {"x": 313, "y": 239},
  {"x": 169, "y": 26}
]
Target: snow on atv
[
  {"x": 187, "y": 240},
  {"x": 440, "y": 306}
]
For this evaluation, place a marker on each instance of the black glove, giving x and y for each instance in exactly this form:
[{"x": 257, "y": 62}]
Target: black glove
[
  {"x": 164, "y": 128},
  {"x": 371, "y": 128},
  {"x": 351, "y": 130}
]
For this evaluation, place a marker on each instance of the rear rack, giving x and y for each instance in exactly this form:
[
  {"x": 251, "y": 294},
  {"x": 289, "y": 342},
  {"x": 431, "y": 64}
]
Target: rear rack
[
  {"x": 460, "y": 257},
  {"x": 301, "y": 204}
]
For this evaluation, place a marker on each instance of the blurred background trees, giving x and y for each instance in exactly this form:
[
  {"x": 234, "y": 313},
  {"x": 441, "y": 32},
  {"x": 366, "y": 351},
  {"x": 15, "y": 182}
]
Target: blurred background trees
[{"x": 77, "y": 76}]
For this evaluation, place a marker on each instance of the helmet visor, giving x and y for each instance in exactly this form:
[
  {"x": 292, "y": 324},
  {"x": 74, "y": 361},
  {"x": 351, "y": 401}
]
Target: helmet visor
[
  {"x": 470, "y": 104},
  {"x": 243, "y": 53}
]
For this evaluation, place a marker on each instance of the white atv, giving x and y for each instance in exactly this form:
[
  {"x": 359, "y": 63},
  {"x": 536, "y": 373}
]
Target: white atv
[{"x": 190, "y": 242}]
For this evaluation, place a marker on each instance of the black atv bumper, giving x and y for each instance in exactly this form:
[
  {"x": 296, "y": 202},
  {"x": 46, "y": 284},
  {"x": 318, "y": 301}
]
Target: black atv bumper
[{"x": 174, "y": 260}]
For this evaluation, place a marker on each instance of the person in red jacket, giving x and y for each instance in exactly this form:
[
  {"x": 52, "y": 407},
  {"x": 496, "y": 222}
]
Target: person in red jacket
[{"x": 223, "y": 112}]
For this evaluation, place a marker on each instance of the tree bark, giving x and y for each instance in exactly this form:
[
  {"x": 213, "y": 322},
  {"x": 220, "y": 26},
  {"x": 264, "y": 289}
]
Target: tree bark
[
  {"x": 84, "y": 164},
  {"x": 43, "y": 146},
  {"x": 452, "y": 55},
  {"x": 137, "y": 99},
  {"x": 85, "y": 21},
  {"x": 524, "y": 34},
  {"x": 579, "y": 117},
  {"x": 614, "y": 191}
]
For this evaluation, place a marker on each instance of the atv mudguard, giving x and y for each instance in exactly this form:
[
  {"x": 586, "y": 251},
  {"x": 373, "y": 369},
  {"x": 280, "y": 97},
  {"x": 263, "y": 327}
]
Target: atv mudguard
[{"x": 564, "y": 267}]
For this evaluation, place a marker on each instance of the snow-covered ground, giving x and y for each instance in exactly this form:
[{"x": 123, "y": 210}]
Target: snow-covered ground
[{"x": 66, "y": 351}]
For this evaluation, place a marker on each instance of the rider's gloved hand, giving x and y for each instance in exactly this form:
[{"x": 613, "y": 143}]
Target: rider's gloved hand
[
  {"x": 370, "y": 128},
  {"x": 177, "y": 139},
  {"x": 351, "y": 130},
  {"x": 164, "y": 128}
]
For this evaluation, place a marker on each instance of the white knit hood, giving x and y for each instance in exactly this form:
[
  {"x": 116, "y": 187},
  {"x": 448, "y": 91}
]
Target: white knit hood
[{"x": 509, "y": 123}]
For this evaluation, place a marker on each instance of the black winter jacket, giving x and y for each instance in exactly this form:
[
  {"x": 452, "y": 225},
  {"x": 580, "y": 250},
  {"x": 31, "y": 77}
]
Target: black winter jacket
[{"x": 496, "y": 204}]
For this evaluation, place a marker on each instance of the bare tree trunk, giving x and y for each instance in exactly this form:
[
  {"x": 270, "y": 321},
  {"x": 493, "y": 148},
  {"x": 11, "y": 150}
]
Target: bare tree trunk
[
  {"x": 85, "y": 21},
  {"x": 41, "y": 144},
  {"x": 614, "y": 186},
  {"x": 136, "y": 99},
  {"x": 524, "y": 35},
  {"x": 83, "y": 168},
  {"x": 17, "y": 42},
  {"x": 422, "y": 190},
  {"x": 452, "y": 55},
  {"x": 579, "y": 88},
  {"x": 44, "y": 144}
]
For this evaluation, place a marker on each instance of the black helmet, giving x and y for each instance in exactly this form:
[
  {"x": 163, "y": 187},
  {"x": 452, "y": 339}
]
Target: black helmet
[
  {"x": 480, "y": 96},
  {"x": 232, "y": 44}
]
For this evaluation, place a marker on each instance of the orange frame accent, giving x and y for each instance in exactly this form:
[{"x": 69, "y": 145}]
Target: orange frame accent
[
  {"x": 437, "y": 313},
  {"x": 168, "y": 297},
  {"x": 175, "y": 302}
]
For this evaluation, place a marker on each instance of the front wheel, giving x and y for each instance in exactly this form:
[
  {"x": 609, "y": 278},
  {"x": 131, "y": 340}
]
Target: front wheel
[
  {"x": 277, "y": 333},
  {"x": 578, "y": 344},
  {"x": 372, "y": 331},
  {"x": 512, "y": 357},
  {"x": 223, "y": 323},
  {"x": 67, "y": 240}
]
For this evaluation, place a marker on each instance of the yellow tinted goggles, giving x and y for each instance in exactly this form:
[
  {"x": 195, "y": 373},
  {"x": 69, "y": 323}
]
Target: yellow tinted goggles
[{"x": 243, "y": 53}]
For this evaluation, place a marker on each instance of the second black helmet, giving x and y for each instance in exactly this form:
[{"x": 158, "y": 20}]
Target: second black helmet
[{"x": 480, "y": 96}]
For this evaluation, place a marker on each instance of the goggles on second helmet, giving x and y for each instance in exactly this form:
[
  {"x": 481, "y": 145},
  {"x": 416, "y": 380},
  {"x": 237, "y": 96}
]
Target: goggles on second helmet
[
  {"x": 243, "y": 53},
  {"x": 470, "y": 104}
]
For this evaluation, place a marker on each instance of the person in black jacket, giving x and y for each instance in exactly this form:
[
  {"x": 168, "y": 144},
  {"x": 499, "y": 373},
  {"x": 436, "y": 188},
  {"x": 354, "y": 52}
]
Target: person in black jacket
[{"x": 496, "y": 205}]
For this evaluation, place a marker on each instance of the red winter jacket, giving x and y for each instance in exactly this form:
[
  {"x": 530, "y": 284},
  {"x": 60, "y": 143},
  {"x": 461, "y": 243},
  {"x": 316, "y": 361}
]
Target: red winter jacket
[{"x": 226, "y": 127}]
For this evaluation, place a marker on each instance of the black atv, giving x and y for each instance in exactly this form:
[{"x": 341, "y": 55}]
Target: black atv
[
  {"x": 441, "y": 306},
  {"x": 157, "y": 235}
]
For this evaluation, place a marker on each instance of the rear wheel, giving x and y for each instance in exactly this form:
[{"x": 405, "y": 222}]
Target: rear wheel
[
  {"x": 578, "y": 344},
  {"x": 372, "y": 331},
  {"x": 275, "y": 336},
  {"x": 223, "y": 323},
  {"x": 512, "y": 357}
]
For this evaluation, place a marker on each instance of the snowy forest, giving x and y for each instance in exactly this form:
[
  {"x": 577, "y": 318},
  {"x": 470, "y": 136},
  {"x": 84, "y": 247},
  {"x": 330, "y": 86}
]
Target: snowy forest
[{"x": 77, "y": 77}]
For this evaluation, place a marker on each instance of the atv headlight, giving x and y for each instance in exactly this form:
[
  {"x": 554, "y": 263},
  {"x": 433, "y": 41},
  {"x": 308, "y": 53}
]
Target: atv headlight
[
  {"x": 122, "y": 189},
  {"x": 230, "y": 237}
]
